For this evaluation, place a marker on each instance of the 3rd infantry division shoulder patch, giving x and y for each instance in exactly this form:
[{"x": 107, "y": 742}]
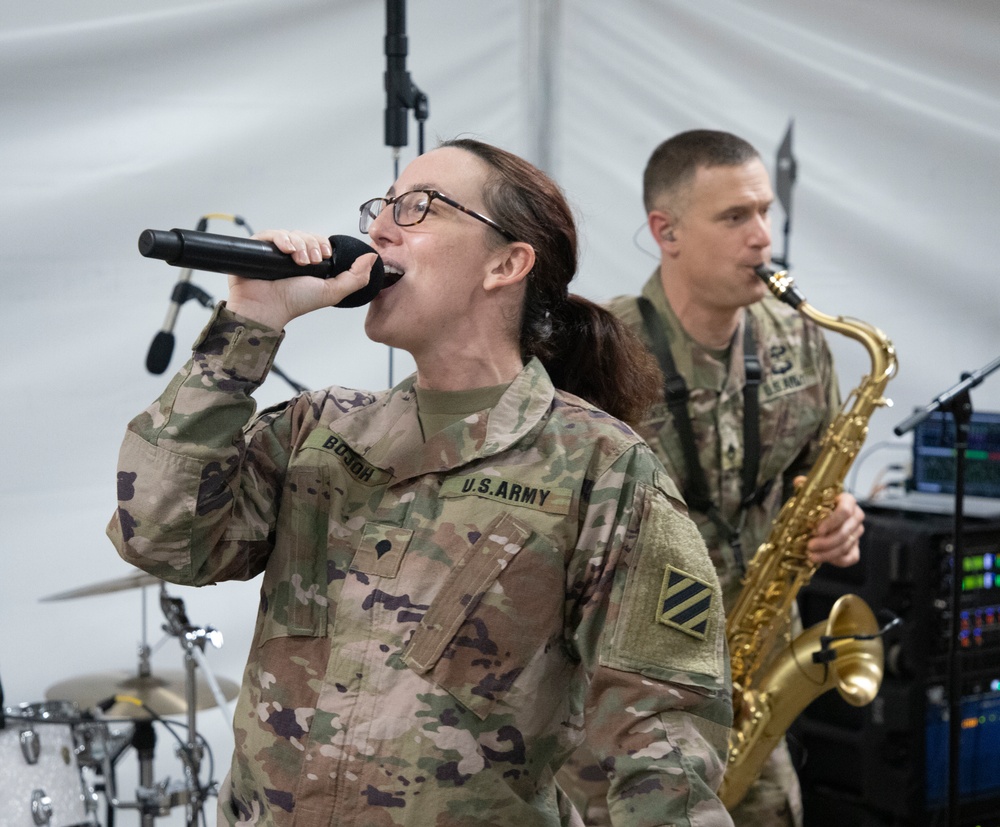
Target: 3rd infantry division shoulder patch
[{"x": 685, "y": 602}]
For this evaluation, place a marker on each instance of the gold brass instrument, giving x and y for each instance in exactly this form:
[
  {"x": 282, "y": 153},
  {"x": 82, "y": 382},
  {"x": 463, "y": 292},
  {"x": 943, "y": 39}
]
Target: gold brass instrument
[{"x": 771, "y": 688}]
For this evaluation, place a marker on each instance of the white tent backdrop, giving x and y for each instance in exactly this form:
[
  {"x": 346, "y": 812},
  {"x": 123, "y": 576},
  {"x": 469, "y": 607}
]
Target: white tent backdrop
[{"x": 119, "y": 116}]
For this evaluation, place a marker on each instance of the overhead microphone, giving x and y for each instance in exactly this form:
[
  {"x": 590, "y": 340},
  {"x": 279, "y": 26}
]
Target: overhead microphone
[
  {"x": 401, "y": 93},
  {"x": 398, "y": 88},
  {"x": 162, "y": 346}
]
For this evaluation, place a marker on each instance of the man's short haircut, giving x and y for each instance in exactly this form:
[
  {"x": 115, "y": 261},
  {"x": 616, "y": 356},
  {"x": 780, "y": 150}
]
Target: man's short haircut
[{"x": 675, "y": 161}]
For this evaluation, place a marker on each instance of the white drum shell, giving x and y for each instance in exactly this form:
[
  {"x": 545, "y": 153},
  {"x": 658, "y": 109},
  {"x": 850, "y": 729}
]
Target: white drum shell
[{"x": 55, "y": 773}]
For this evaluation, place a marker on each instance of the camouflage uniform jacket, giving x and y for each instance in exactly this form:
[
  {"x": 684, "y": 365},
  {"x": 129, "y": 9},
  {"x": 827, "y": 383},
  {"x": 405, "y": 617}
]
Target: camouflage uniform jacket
[
  {"x": 437, "y": 619},
  {"x": 798, "y": 396}
]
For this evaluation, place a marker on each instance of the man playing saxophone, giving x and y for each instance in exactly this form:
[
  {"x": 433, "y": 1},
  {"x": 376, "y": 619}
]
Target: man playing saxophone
[{"x": 750, "y": 390}]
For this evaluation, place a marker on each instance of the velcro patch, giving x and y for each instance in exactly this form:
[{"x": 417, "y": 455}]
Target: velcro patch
[
  {"x": 381, "y": 550},
  {"x": 685, "y": 603}
]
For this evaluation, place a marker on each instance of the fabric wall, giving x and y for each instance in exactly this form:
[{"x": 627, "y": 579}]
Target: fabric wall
[{"x": 118, "y": 116}]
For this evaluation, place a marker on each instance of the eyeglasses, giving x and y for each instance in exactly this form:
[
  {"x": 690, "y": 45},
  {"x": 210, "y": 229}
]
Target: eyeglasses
[{"x": 411, "y": 208}]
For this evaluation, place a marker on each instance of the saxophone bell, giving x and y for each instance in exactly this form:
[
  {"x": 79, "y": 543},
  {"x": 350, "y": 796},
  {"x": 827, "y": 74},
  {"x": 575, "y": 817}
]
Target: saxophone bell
[
  {"x": 843, "y": 652},
  {"x": 853, "y": 638}
]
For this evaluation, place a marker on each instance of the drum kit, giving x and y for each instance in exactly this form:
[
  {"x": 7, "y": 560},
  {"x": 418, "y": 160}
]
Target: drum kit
[{"x": 59, "y": 758}]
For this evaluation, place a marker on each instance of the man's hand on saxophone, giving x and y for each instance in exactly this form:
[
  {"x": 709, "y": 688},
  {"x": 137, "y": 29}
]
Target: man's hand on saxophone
[{"x": 837, "y": 537}]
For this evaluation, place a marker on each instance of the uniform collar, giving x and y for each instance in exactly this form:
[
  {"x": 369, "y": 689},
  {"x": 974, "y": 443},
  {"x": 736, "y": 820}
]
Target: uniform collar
[
  {"x": 390, "y": 437},
  {"x": 683, "y": 346}
]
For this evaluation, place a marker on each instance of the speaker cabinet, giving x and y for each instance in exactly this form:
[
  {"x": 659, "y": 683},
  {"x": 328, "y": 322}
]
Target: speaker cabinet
[{"x": 887, "y": 763}]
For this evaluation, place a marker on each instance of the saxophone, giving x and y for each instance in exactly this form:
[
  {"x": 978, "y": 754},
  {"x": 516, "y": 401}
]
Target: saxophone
[{"x": 843, "y": 652}]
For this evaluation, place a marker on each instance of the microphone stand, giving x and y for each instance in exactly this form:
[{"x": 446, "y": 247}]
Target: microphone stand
[
  {"x": 946, "y": 398},
  {"x": 192, "y": 639},
  {"x": 401, "y": 95},
  {"x": 957, "y": 401},
  {"x": 162, "y": 346}
]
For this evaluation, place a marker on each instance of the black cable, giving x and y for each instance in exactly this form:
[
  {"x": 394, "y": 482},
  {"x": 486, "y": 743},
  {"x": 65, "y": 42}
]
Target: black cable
[
  {"x": 202, "y": 790},
  {"x": 825, "y": 654}
]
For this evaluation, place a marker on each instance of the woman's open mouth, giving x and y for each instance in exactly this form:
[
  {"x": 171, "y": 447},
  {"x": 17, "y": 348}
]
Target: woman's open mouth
[{"x": 392, "y": 275}]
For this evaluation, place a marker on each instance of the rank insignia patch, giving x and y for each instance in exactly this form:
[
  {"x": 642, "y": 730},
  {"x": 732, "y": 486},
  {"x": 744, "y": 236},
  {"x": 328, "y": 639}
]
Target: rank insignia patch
[{"x": 685, "y": 603}]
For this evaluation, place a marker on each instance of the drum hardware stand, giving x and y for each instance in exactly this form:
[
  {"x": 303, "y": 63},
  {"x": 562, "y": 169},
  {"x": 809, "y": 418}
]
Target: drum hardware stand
[
  {"x": 157, "y": 799},
  {"x": 153, "y": 696},
  {"x": 192, "y": 639},
  {"x": 152, "y": 799}
]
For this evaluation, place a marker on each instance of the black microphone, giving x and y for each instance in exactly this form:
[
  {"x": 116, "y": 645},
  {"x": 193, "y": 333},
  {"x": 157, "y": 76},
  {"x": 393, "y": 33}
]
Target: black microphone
[
  {"x": 398, "y": 87},
  {"x": 162, "y": 346},
  {"x": 255, "y": 259}
]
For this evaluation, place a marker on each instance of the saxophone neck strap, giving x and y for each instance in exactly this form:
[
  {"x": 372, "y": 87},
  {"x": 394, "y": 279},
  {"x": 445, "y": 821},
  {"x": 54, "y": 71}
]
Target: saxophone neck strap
[{"x": 676, "y": 395}]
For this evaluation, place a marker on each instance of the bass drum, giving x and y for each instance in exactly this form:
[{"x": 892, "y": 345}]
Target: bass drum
[{"x": 40, "y": 780}]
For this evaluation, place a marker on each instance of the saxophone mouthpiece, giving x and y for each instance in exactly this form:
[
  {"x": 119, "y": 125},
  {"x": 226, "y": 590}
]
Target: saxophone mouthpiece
[{"x": 781, "y": 285}]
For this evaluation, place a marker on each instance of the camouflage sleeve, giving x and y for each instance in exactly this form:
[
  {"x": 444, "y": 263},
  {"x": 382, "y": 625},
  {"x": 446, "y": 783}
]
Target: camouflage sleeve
[
  {"x": 196, "y": 492},
  {"x": 659, "y": 706}
]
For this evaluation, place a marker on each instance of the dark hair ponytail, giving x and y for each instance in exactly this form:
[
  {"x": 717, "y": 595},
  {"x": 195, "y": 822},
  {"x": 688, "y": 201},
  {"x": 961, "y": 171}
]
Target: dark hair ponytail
[
  {"x": 585, "y": 349},
  {"x": 592, "y": 354}
]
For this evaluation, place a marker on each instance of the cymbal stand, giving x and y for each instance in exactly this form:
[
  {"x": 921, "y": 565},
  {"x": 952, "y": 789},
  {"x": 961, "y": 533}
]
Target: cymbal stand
[
  {"x": 192, "y": 639},
  {"x": 152, "y": 799}
]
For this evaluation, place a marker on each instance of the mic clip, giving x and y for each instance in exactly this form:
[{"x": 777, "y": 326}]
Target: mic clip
[
  {"x": 107, "y": 703},
  {"x": 826, "y": 654},
  {"x": 185, "y": 290}
]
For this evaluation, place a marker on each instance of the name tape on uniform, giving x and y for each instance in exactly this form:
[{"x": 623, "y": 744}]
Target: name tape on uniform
[
  {"x": 358, "y": 467},
  {"x": 512, "y": 492}
]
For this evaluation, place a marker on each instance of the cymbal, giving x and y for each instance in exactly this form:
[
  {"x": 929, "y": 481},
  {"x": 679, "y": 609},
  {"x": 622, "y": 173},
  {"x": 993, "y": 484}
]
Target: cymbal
[
  {"x": 164, "y": 692},
  {"x": 129, "y": 581}
]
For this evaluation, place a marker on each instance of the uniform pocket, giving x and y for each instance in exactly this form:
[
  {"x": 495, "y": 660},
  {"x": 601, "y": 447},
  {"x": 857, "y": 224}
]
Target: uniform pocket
[
  {"x": 294, "y": 597},
  {"x": 381, "y": 550},
  {"x": 494, "y": 613}
]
